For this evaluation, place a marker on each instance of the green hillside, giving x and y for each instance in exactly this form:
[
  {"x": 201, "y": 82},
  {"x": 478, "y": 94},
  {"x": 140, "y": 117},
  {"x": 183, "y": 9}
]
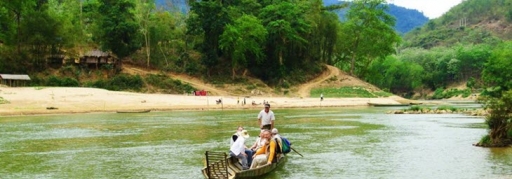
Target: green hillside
[
  {"x": 469, "y": 47},
  {"x": 470, "y": 22}
]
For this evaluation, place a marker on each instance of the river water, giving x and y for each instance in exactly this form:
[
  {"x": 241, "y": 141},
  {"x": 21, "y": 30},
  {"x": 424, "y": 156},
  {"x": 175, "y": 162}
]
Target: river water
[{"x": 335, "y": 142}]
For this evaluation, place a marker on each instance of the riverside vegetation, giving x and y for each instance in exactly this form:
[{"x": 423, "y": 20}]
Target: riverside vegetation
[{"x": 282, "y": 43}]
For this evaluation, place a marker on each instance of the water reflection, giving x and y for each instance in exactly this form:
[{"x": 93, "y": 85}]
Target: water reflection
[{"x": 335, "y": 142}]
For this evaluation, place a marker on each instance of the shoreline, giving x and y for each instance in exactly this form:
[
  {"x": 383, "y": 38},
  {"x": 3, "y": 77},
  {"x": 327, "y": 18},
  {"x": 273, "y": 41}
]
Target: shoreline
[{"x": 23, "y": 101}]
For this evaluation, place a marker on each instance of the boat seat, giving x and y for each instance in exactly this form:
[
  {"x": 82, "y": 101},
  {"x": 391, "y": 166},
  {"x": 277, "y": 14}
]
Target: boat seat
[{"x": 216, "y": 164}]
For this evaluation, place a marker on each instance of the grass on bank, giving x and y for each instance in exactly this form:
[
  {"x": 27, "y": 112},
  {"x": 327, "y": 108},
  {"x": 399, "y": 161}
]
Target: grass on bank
[
  {"x": 3, "y": 101},
  {"x": 348, "y": 92}
]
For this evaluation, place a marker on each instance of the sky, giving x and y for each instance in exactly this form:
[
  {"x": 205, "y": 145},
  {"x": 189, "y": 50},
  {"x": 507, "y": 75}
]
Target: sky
[{"x": 431, "y": 8}]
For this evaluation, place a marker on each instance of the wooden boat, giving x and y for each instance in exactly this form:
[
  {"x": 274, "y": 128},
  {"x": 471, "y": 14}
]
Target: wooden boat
[
  {"x": 220, "y": 165},
  {"x": 387, "y": 105},
  {"x": 135, "y": 111}
]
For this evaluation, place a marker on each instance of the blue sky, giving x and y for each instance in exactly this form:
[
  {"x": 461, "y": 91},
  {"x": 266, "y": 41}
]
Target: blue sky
[{"x": 431, "y": 8}]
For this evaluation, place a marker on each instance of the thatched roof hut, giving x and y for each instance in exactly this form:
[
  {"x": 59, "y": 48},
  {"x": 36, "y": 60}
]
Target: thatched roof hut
[{"x": 97, "y": 58}]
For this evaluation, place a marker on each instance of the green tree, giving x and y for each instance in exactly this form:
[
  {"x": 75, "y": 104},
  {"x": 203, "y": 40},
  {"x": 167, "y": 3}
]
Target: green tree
[
  {"x": 368, "y": 34},
  {"x": 287, "y": 27},
  {"x": 472, "y": 59},
  {"x": 208, "y": 19},
  {"x": 119, "y": 30},
  {"x": 242, "y": 39},
  {"x": 71, "y": 31},
  {"x": 168, "y": 40},
  {"x": 17, "y": 11},
  {"x": 499, "y": 121},
  {"x": 397, "y": 75},
  {"x": 497, "y": 69},
  {"x": 142, "y": 16}
]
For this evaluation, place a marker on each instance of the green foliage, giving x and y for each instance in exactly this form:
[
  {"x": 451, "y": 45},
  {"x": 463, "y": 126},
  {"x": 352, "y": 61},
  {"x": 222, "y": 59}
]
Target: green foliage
[
  {"x": 119, "y": 31},
  {"x": 397, "y": 75},
  {"x": 471, "y": 83},
  {"x": 208, "y": 19},
  {"x": 120, "y": 82},
  {"x": 62, "y": 81},
  {"x": 368, "y": 34},
  {"x": 470, "y": 22},
  {"x": 485, "y": 141},
  {"x": 415, "y": 108},
  {"x": 440, "y": 93},
  {"x": 243, "y": 39},
  {"x": 382, "y": 94},
  {"x": 168, "y": 84},
  {"x": 3, "y": 101},
  {"x": 499, "y": 119},
  {"x": 509, "y": 16},
  {"x": 343, "y": 92},
  {"x": 497, "y": 69},
  {"x": 448, "y": 108}
]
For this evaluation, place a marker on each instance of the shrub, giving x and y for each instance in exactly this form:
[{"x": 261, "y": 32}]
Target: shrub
[
  {"x": 415, "y": 108},
  {"x": 438, "y": 94},
  {"x": 343, "y": 92},
  {"x": 126, "y": 82},
  {"x": 447, "y": 108},
  {"x": 3, "y": 101},
  {"x": 66, "y": 81},
  {"x": 168, "y": 84},
  {"x": 499, "y": 120}
]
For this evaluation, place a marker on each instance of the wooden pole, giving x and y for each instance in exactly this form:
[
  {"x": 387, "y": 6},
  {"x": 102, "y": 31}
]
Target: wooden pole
[{"x": 296, "y": 151}]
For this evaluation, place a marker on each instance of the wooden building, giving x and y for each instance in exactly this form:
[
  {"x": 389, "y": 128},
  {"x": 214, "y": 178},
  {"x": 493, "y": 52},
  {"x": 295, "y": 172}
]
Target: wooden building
[
  {"x": 14, "y": 79},
  {"x": 96, "y": 58}
]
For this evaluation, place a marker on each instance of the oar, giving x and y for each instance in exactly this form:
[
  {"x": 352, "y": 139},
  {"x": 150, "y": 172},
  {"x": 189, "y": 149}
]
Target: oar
[{"x": 296, "y": 151}]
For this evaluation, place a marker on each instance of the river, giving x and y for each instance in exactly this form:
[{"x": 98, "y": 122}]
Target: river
[{"x": 336, "y": 143}]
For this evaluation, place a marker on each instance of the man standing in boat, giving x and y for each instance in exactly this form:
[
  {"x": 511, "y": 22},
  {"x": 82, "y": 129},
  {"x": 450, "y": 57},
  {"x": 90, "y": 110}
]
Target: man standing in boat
[{"x": 266, "y": 118}]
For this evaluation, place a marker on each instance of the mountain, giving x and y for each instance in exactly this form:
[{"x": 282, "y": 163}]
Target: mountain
[
  {"x": 180, "y": 5},
  {"x": 470, "y": 22},
  {"x": 406, "y": 19}
]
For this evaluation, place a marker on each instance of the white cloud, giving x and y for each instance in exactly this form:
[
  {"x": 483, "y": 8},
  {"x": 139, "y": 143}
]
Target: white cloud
[{"x": 431, "y": 8}]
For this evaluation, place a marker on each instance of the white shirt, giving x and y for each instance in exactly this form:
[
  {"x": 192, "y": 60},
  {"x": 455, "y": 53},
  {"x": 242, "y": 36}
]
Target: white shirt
[
  {"x": 266, "y": 118},
  {"x": 260, "y": 143},
  {"x": 239, "y": 146}
]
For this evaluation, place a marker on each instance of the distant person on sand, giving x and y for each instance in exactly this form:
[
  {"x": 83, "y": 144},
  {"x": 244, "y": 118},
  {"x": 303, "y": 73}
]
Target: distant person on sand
[
  {"x": 266, "y": 118},
  {"x": 321, "y": 97}
]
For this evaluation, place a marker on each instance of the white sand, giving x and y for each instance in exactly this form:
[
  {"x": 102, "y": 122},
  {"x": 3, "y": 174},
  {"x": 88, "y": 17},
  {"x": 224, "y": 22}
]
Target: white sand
[{"x": 32, "y": 100}]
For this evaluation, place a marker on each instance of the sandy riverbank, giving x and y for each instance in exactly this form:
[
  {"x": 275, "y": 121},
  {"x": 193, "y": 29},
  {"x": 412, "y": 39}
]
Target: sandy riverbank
[{"x": 32, "y": 100}]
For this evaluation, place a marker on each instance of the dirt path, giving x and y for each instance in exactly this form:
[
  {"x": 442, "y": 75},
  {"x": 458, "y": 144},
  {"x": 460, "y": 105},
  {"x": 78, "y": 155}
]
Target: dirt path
[
  {"x": 196, "y": 83},
  {"x": 339, "y": 79},
  {"x": 304, "y": 89}
]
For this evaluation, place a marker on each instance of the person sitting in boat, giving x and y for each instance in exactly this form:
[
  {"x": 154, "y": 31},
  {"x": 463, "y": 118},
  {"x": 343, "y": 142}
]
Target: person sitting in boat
[
  {"x": 258, "y": 143},
  {"x": 238, "y": 149},
  {"x": 235, "y": 135},
  {"x": 248, "y": 151},
  {"x": 277, "y": 137},
  {"x": 265, "y": 155}
]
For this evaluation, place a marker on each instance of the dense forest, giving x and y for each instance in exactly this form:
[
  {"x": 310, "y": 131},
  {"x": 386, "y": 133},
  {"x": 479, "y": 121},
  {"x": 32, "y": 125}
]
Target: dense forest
[{"x": 281, "y": 42}]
